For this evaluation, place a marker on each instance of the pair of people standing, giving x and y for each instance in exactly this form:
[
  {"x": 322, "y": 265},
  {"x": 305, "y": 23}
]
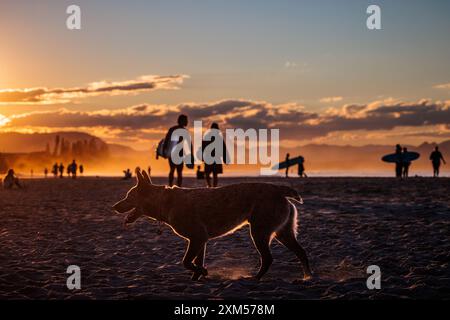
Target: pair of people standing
[
  {"x": 213, "y": 168},
  {"x": 401, "y": 165}
]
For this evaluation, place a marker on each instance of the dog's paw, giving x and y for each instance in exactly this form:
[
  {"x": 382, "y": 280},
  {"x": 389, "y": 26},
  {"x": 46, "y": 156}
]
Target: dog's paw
[
  {"x": 204, "y": 271},
  {"x": 196, "y": 275},
  {"x": 201, "y": 271},
  {"x": 308, "y": 276}
]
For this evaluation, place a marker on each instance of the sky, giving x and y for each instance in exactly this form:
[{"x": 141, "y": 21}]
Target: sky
[{"x": 310, "y": 68}]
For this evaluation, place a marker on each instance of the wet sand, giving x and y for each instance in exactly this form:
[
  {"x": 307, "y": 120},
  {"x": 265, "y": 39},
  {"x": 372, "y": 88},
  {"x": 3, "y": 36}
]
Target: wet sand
[{"x": 346, "y": 224}]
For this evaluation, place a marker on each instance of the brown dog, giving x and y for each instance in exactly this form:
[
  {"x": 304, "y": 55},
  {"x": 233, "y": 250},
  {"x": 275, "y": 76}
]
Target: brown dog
[{"x": 200, "y": 214}]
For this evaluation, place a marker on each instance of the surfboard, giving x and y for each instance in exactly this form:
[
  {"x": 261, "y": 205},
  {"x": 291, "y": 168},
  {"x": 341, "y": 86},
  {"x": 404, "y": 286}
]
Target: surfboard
[
  {"x": 395, "y": 157},
  {"x": 291, "y": 162}
]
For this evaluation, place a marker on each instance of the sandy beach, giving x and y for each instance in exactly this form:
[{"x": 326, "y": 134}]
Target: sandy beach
[{"x": 346, "y": 224}]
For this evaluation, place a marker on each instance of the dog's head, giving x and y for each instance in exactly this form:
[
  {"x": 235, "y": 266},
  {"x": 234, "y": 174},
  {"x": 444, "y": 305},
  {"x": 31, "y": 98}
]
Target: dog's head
[{"x": 134, "y": 200}]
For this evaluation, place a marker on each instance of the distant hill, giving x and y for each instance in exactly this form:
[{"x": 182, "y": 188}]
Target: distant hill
[
  {"x": 320, "y": 158},
  {"x": 14, "y": 142},
  {"x": 118, "y": 150}
]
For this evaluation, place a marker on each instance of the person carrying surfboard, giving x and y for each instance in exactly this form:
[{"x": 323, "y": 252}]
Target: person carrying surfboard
[
  {"x": 399, "y": 161},
  {"x": 405, "y": 164},
  {"x": 287, "y": 167},
  {"x": 402, "y": 159},
  {"x": 169, "y": 144}
]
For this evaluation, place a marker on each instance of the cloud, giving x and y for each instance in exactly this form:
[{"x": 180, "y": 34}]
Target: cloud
[
  {"x": 331, "y": 99},
  {"x": 62, "y": 95},
  {"x": 290, "y": 64},
  {"x": 444, "y": 86},
  {"x": 294, "y": 121}
]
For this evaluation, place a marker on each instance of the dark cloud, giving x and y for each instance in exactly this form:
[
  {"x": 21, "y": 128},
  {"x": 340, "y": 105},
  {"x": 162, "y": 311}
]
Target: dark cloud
[
  {"x": 58, "y": 95},
  {"x": 292, "y": 120}
]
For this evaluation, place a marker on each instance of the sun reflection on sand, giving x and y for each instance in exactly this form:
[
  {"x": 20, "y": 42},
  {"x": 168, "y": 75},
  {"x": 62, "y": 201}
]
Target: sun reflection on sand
[{"x": 230, "y": 273}]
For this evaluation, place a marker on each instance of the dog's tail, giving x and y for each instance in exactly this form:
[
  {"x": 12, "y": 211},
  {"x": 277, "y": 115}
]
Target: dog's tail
[
  {"x": 293, "y": 198},
  {"x": 292, "y": 195}
]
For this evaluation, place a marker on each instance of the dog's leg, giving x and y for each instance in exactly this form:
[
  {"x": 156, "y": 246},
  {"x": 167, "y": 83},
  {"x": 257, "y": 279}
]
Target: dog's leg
[
  {"x": 193, "y": 250},
  {"x": 261, "y": 239},
  {"x": 199, "y": 261},
  {"x": 286, "y": 236}
]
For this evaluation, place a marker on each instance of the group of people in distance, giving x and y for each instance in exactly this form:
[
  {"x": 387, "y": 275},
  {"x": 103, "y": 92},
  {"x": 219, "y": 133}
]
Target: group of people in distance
[
  {"x": 72, "y": 170},
  {"x": 213, "y": 169},
  {"x": 402, "y": 163},
  {"x": 11, "y": 180}
]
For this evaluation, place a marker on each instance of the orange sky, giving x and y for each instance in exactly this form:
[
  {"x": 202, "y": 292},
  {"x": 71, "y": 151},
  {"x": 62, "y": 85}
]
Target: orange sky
[{"x": 318, "y": 77}]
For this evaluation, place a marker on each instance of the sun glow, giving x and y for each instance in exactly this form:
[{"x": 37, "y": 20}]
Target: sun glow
[{"x": 3, "y": 120}]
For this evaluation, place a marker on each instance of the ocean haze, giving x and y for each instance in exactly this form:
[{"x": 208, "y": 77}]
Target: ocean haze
[{"x": 321, "y": 159}]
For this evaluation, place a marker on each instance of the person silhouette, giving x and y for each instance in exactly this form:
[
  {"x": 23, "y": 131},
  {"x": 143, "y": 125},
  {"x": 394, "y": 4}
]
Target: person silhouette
[
  {"x": 45, "y": 173},
  {"x": 127, "y": 174},
  {"x": 81, "y": 169},
  {"x": 287, "y": 165},
  {"x": 55, "y": 170},
  {"x": 399, "y": 161},
  {"x": 61, "y": 170},
  {"x": 301, "y": 169},
  {"x": 11, "y": 180},
  {"x": 73, "y": 169},
  {"x": 436, "y": 158},
  {"x": 169, "y": 146},
  {"x": 405, "y": 164},
  {"x": 200, "y": 174},
  {"x": 214, "y": 165}
]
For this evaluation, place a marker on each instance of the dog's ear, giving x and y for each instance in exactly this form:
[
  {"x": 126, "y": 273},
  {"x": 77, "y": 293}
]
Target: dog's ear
[
  {"x": 139, "y": 176},
  {"x": 146, "y": 177}
]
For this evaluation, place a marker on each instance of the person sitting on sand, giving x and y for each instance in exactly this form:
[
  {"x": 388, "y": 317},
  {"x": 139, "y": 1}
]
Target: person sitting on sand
[
  {"x": 11, "y": 180},
  {"x": 200, "y": 174},
  {"x": 436, "y": 159},
  {"x": 127, "y": 174}
]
